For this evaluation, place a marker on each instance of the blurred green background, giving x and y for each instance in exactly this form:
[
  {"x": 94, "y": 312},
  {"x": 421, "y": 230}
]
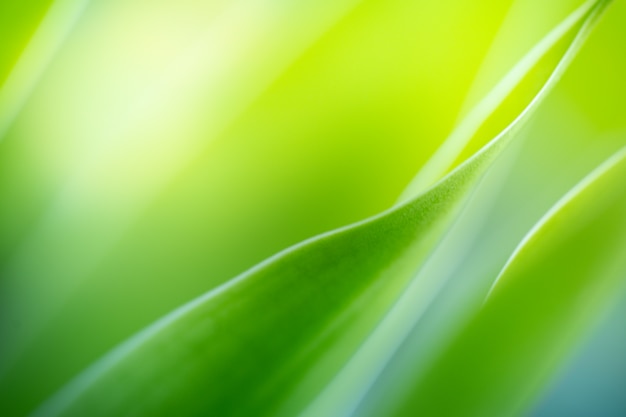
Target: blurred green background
[{"x": 152, "y": 150}]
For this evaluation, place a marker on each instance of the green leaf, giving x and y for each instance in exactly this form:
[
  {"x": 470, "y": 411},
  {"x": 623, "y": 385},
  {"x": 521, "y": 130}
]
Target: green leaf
[
  {"x": 242, "y": 349},
  {"x": 18, "y": 21},
  {"x": 315, "y": 118},
  {"x": 150, "y": 152},
  {"x": 219, "y": 170},
  {"x": 554, "y": 288}
]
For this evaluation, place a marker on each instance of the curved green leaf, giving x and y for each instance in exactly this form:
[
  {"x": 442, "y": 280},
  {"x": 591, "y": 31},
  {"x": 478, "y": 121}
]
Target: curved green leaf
[
  {"x": 226, "y": 166},
  {"x": 223, "y": 156},
  {"x": 552, "y": 290},
  {"x": 294, "y": 314}
]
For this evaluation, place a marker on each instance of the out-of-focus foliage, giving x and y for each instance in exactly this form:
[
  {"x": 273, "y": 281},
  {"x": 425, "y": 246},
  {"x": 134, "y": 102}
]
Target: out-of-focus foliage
[{"x": 153, "y": 150}]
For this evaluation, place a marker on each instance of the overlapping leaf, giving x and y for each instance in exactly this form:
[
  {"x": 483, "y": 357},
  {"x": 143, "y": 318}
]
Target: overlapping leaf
[
  {"x": 182, "y": 142},
  {"x": 554, "y": 287},
  {"x": 298, "y": 316}
]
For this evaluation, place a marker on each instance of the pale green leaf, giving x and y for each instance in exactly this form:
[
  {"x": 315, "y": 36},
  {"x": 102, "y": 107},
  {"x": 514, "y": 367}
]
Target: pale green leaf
[
  {"x": 554, "y": 287},
  {"x": 240, "y": 349}
]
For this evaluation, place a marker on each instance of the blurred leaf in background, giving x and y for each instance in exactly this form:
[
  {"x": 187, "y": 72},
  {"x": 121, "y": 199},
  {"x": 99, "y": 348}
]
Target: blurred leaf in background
[{"x": 153, "y": 150}]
